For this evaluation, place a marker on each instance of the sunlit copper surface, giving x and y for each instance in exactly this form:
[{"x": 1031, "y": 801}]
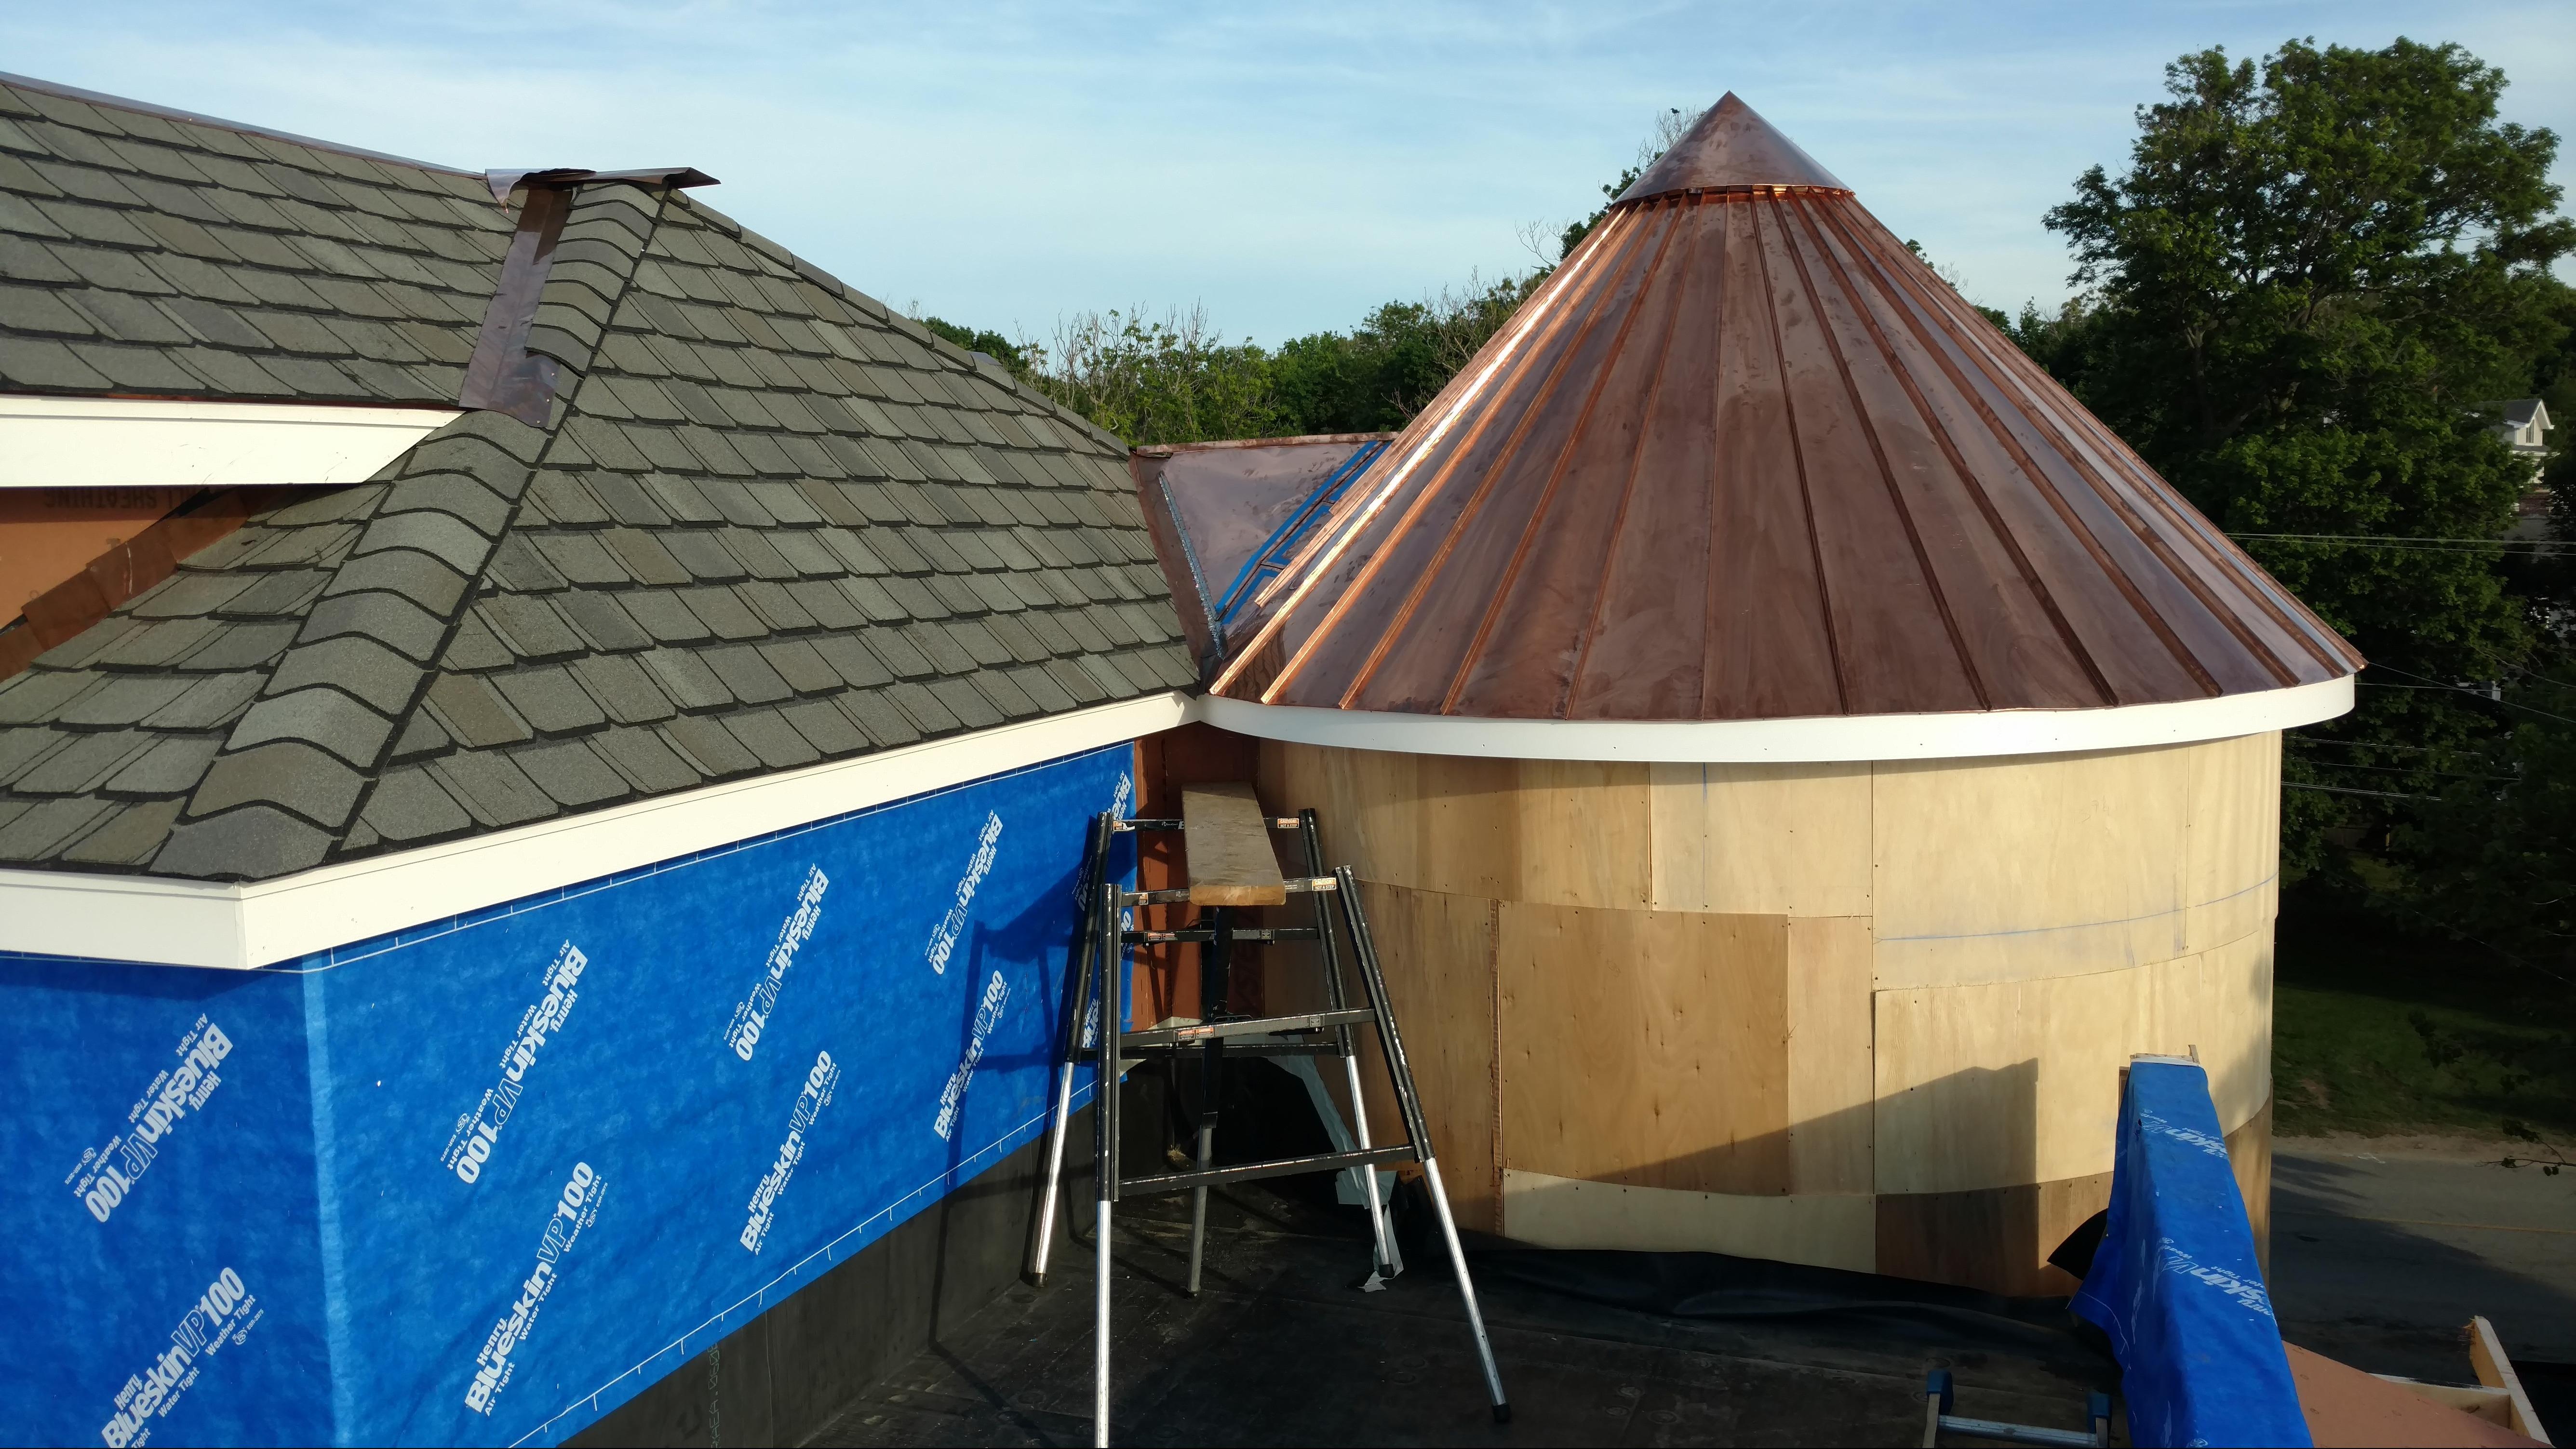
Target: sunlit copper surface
[{"x": 1745, "y": 457}]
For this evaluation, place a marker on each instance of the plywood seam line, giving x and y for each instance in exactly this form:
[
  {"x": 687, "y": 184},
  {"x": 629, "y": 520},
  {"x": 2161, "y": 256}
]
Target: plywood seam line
[
  {"x": 2117, "y": 501},
  {"x": 1949, "y": 447},
  {"x": 1422, "y": 500},
  {"x": 1806, "y": 490},
  {"x": 1538, "y": 514},
  {"x": 1329, "y": 547},
  {"x": 1628, "y": 493}
]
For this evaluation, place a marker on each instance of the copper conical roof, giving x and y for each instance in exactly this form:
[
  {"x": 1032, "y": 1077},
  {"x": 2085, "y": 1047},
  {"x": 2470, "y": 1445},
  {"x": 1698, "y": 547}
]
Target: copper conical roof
[{"x": 1745, "y": 457}]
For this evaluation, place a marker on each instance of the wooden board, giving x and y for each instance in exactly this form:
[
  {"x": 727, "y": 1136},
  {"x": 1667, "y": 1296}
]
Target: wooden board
[
  {"x": 1645, "y": 1047},
  {"x": 2346, "y": 1407},
  {"x": 2495, "y": 1371},
  {"x": 1828, "y": 1231},
  {"x": 2019, "y": 1081},
  {"x": 1790, "y": 840},
  {"x": 1832, "y": 1082},
  {"x": 1584, "y": 834},
  {"x": 1437, "y": 952},
  {"x": 1996, "y": 1238},
  {"x": 2249, "y": 1157},
  {"x": 1228, "y": 843},
  {"x": 2028, "y": 865}
]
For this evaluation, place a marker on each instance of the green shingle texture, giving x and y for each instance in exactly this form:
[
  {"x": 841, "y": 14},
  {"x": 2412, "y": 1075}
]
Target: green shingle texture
[{"x": 769, "y": 525}]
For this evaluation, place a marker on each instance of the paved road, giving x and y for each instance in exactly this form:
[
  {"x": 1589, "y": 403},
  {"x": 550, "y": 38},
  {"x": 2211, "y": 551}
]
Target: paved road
[{"x": 2381, "y": 1249}]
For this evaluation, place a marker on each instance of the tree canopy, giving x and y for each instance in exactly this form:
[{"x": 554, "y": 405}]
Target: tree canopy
[{"x": 2306, "y": 296}]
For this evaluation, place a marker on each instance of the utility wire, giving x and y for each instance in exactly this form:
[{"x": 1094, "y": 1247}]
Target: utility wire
[
  {"x": 2473, "y": 694},
  {"x": 2348, "y": 790}
]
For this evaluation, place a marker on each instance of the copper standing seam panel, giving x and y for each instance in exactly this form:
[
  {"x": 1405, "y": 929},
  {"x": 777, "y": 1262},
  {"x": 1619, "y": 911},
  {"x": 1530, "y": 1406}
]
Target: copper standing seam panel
[
  {"x": 2089, "y": 444},
  {"x": 2134, "y": 661},
  {"x": 1416, "y": 537},
  {"x": 1740, "y": 400},
  {"x": 1644, "y": 646},
  {"x": 1325, "y": 556},
  {"x": 1426, "y": 551},
  {"x": 2184, "y": 542},
  {"x": 2182, "y": 610},
  {"x": 1895, "y": 637},
  {"x": 1520, "y": 661},
  {"x": 2020, "y": 643},
  {"x": 1416, "y": 666},
  {"x": 1763, "y": 512},
  {"x": 2011, "y": 641},
  {"x": 1592, "y": 573}
]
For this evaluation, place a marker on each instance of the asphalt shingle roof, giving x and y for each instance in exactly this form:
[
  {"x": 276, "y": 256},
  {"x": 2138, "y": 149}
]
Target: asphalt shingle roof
[{"x": 771, "y": 523}]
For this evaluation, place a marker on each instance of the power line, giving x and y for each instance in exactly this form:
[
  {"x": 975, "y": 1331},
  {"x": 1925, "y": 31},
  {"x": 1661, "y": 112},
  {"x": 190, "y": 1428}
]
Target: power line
[
  {"x": 2348, "y": 790},
  {"x": 2473, "y": 694}
]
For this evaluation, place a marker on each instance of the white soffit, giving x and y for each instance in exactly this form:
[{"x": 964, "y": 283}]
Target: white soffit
[
  {"x": 190, "y": 923},
  {"x": 1964, "y": 735},
  {"x": 109, "y": 442}
]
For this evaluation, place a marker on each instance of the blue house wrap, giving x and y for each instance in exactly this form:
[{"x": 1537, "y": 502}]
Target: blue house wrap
[{"x": 480, "y": 1181}]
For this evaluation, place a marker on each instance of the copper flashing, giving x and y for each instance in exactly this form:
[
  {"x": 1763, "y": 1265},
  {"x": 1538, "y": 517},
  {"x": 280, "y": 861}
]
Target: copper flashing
[
  {"x": 1731, "y": 149},
  {"x": 503, "y": 376},
  {"x": 1745, "y": 457}
]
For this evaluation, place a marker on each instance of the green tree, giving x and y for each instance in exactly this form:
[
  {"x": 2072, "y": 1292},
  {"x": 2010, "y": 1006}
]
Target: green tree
[
  {"x": 986, "y": 341},
  {"x": 2305, "y": 294}
]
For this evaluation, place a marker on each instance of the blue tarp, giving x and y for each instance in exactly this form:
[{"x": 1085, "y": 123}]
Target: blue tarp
[
  {"x": 485, "y": 1179},
  {"x": 2175, "y": 1283}
]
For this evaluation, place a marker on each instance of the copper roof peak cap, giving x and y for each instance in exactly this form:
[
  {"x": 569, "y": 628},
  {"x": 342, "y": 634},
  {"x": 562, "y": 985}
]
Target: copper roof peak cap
[{"x": 1730, "y": 146}]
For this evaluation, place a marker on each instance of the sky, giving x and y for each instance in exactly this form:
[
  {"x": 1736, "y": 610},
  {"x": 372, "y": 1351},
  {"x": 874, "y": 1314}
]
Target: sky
[{"x": 1285, "y": 167}]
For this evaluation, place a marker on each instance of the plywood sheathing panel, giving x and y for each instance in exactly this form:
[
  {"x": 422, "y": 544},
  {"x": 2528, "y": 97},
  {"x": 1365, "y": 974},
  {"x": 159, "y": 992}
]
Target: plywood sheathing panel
[
  {"x": 1824, "y": 1230},
  {"x": 2231, "y": 870},
  {"x": 2019, "y": 1081},
  {"x": 1645, "y": 1047},
  {"x": 2249, "y": 1156},
  {"x": 1996, "y": 1238},
  {"x": 1437, "y": 952},
  {"x": 2025, "y": 866},
  {"x": 1788, "y": 840},
  {"x": 1832, "y": 1078}
]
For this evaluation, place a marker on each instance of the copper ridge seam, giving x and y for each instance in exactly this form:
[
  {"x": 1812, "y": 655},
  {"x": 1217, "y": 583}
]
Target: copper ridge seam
[
  {"x": 2222, "y": 553},
  {"x": 1806, "y": 492},
  {"x": 1331, "y": 549},
  {"x": 1569, "y": 305},
  {"x": 2148, "y": 536},
  {"x": 1556, "y": 471},
  {"x": 1940, "y": 431},
  {"x": 1887, "y": 474},
  {"x": 1636, "y": 455}
]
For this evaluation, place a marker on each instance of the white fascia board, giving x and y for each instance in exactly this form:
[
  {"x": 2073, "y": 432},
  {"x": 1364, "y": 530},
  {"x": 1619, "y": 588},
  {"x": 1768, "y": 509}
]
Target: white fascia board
[
  {"x": 109, "y": 442},
  {"x": 186, "y": 923},
  {"x": 1964, "y": 735}
]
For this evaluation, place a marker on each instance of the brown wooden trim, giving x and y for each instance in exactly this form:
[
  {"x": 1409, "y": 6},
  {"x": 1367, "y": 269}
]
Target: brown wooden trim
[{"x": 64, "y": 611}]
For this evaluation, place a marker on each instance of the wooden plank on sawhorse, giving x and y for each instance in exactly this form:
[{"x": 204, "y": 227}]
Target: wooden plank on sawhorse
[{"x": 1228, "y": 840}]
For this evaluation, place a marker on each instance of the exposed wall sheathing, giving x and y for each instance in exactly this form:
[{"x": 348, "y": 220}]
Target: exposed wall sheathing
[
  {"x": 484, "y": 1180},
  {"x": 1861, "y": 1015}
]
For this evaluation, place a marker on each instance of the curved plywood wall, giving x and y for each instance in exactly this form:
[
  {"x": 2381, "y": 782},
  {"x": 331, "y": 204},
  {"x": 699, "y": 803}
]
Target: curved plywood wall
[{"x": 1865, "y": 1016}]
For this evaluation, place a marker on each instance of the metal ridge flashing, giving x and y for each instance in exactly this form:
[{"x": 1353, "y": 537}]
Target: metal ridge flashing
[
  {"x": 1805, "y": 740},
  {"x": 157, "y": 920}
]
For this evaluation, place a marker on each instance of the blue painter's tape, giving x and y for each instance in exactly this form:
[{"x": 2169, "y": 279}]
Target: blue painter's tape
[{"x": 480, "y": 1181}]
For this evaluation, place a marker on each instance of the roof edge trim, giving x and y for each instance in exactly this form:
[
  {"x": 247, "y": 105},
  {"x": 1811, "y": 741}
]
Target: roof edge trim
[
  {"x": 199, "y": 118},
  {"x": 1806, "y": 740},
  {"x": 112, "y": 442},
  {"x": 157, "y": 920}
]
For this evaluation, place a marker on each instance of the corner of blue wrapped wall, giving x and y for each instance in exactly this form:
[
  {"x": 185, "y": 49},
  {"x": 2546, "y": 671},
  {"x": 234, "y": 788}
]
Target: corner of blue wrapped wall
[
  {"x": 2176, "y": 1285},
  {"x": 482, "y": 1180}
]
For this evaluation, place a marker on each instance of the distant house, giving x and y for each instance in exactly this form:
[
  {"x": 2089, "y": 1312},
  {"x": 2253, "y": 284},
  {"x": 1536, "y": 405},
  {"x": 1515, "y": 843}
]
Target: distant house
[{"x": 2525, "y": 429}]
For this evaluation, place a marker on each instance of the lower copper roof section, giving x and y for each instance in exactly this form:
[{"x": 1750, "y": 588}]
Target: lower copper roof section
[{"x": 1746, "y": 457}]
